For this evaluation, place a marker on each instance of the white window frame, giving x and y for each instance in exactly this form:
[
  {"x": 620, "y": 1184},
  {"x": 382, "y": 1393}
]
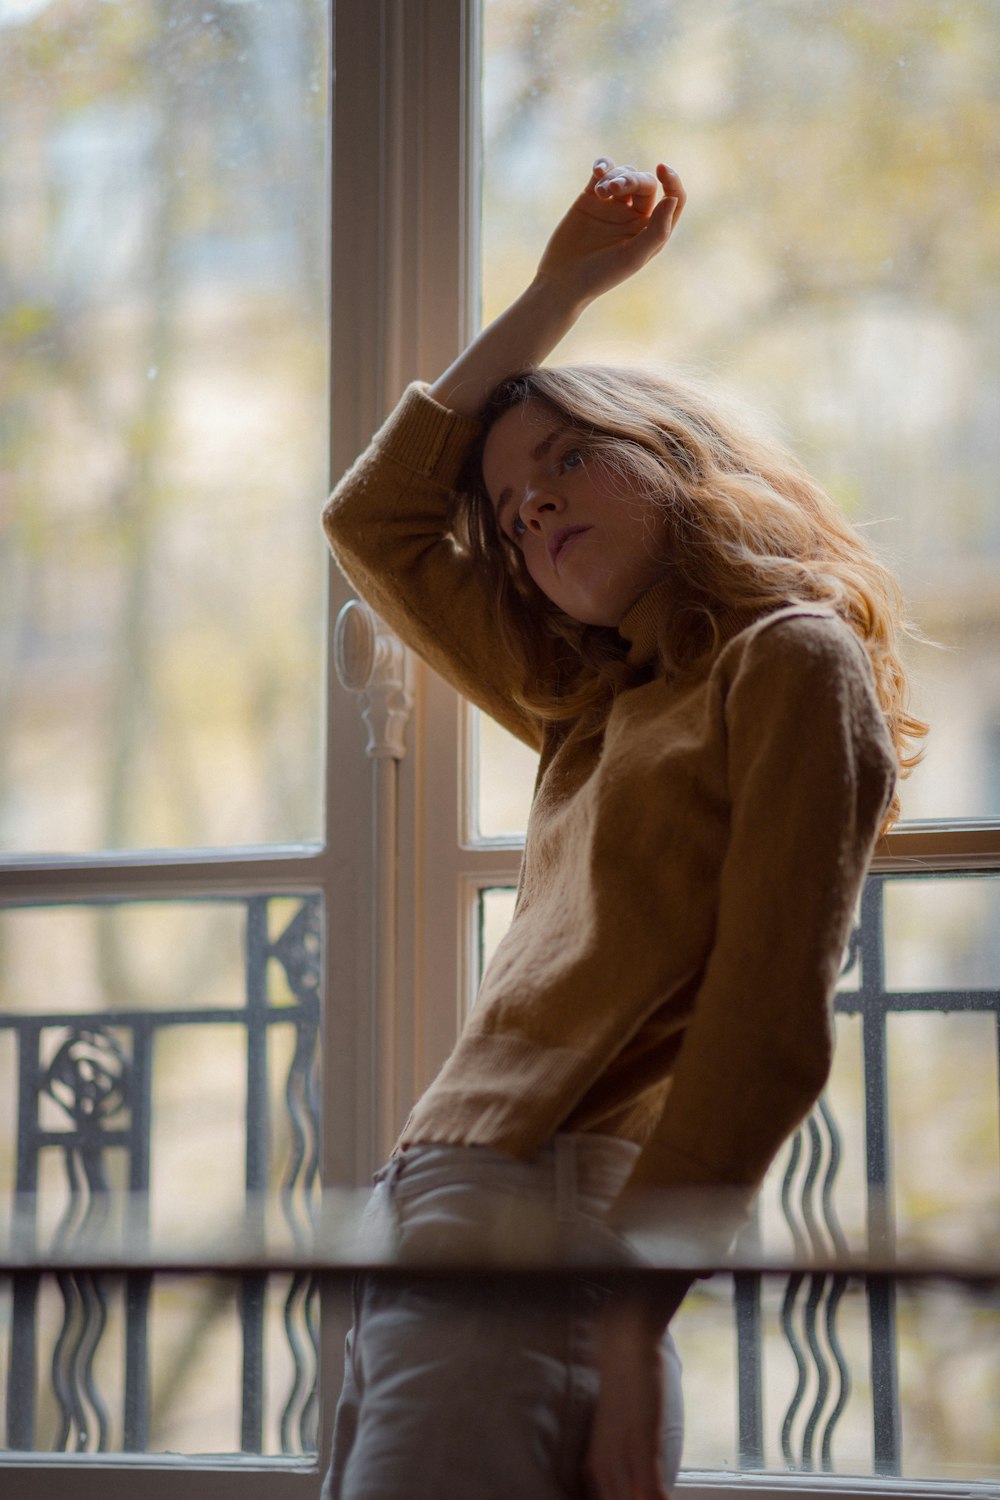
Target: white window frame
[{"x": 404, "y": 252}]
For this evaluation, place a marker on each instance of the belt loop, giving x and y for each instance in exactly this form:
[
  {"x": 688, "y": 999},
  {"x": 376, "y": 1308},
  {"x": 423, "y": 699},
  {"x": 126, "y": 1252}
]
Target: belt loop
[{"x": 566, "y": 1184}]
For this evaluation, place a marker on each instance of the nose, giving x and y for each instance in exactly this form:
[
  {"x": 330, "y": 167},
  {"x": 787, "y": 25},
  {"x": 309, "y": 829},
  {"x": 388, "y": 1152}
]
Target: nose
[{"x": 535, "y": 504}]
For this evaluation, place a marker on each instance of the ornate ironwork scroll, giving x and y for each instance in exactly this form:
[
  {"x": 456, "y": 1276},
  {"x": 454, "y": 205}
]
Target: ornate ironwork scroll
[{"x": 85, "y": 1089}]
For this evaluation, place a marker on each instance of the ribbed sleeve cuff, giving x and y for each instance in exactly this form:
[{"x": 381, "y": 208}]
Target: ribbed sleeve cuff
[{"x": 426, "y": 438}]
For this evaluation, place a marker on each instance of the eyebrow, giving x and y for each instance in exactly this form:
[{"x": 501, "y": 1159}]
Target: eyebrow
[{"x": 537, "y": 452}]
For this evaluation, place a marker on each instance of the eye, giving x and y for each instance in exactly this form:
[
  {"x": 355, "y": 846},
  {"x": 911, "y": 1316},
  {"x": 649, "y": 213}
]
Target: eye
[
  {"x": 571, "y": 459},
  {"x": 517, "y": 528}
]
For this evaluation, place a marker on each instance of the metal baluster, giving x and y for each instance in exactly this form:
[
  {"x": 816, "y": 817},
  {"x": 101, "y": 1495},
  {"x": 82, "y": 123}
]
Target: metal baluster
[
  {"x": 881, "y": 1290},
  {"x": 94, "y": 1287},
  {"x": 817, "y": 1286},
  {"x": 253, "y": 1288},
  {"x": 23, "y": 1354},
  {"x": 788, "y": 1303},
  {"x": 64, "y": 1354},
  {"x": 837, "y": 1287},
  {"x": 749, "y": 1355},
  {"x": 298, "y": 950},
  {"x": 139, "y": 1285},
  {"x": 89, "y": 1078},
  {"x": 747, "y": 1295},
  {"x": 294, "y": 1310}
]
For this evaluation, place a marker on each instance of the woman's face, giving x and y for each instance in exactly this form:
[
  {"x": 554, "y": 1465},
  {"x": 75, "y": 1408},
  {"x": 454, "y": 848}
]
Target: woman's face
[{"x": 590, "y": 550}]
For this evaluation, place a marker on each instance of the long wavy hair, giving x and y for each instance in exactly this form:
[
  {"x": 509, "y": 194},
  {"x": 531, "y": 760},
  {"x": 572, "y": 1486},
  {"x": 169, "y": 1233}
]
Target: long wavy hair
[{"x": 747, "y": 530}]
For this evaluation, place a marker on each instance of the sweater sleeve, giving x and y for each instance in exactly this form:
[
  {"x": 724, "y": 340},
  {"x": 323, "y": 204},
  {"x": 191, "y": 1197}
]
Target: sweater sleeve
[
  {"x": 387, "y": 525},
  {"x": 810, "y": 769}
]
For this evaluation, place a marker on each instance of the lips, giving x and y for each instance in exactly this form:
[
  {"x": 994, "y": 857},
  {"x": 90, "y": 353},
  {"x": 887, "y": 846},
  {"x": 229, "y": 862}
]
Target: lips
[{"x": 559, "y": 539}]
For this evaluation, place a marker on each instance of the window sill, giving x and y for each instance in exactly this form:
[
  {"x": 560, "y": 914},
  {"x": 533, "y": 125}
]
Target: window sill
[
  {"x": 711, "y": 1485},
  {"x": 107, "y": 1476}
]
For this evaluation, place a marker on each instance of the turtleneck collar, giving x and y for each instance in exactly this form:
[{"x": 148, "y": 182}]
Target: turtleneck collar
[{"x": 643, "y": 621}]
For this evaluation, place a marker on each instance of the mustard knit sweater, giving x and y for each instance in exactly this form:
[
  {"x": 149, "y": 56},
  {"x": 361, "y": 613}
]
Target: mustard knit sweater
[{"x": 689, "y": 877}]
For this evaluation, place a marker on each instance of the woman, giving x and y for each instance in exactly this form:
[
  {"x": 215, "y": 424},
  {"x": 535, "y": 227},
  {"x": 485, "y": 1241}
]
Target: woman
[{"x": 702, "y": 651}]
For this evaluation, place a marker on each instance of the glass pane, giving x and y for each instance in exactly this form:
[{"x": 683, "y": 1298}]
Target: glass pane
[
  {"x": 496, "y": 911},
  {"x": 703, "y": 1331},
  {"x": 835, "y": 266},
  {"x": 942, "y": 934},
  {"x": 164, "y": 425},
  {"x": 506, "y": 771},
  {"x": 942, "y": 1174},
  {"x": 168, "y": 1049},
  {"x": 945, "y": 1126},
  {"x": 949, "y": 1378}
]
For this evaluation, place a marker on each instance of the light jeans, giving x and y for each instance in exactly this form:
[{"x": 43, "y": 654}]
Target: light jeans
[{"x": 483, "y": 1392}]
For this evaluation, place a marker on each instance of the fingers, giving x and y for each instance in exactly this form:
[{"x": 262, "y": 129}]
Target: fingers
[
  {"x": 672, "y": 188},
  {"x": 602, "y": 165},
  {"x": 637, "y": 190},
  {"x": 626, "y": 185},
  {"x": 663, "y": 220}
]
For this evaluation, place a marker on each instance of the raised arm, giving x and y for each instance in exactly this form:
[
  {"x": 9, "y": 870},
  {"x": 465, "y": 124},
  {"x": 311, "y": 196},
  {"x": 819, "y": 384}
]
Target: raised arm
[
  {"x": 608, "y": 233},
  {"x": 388, "y": 518}
]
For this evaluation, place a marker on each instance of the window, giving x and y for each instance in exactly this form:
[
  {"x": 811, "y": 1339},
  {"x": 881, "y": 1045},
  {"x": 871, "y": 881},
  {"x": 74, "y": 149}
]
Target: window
[
  {"x": 854, "y": 340},
  {"x": 166, "y": 892},
  {"x": 405, "y": 116}
]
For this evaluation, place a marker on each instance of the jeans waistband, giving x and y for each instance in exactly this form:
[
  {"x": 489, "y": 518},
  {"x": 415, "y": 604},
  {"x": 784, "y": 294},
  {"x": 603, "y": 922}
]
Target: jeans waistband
[{"x": 576, "y": 1172}]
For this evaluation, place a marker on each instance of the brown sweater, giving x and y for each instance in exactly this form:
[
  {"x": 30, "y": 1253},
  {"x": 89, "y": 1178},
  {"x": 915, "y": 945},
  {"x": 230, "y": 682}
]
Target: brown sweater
[{"x": 688, "y": 879}]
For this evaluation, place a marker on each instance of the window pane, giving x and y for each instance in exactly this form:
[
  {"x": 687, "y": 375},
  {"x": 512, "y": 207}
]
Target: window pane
[
  {"x": 835, "y": 266},
  {"x": 164, "y": 425},
  {"x": 924, "y": 1062},
  {"x": 168, "y": 1050},
  {"x": 506, "y": 771},
  {"x": 942, "y": 934},
  {"x": 496, "y": 911}
]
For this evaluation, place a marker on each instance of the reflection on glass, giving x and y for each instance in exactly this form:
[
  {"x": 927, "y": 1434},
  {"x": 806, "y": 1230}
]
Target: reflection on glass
[
  {"x": 164, "y": 376},
  {"x": 835, "y": 265}
]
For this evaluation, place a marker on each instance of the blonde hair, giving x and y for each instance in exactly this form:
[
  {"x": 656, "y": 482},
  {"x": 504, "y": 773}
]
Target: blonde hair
[{"x": 748, "y": 530}]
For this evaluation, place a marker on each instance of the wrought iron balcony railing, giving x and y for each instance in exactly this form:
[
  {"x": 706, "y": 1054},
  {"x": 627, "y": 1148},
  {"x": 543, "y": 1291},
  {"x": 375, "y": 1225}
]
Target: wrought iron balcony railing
[{"x": 97, "y": 1070}]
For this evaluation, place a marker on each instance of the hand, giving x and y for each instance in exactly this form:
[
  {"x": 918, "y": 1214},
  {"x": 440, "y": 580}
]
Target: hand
[
  {"x": 612, "y": 229},
  {"x": 622, "y": 1460},
  {"x": 615, "y": 226}
]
